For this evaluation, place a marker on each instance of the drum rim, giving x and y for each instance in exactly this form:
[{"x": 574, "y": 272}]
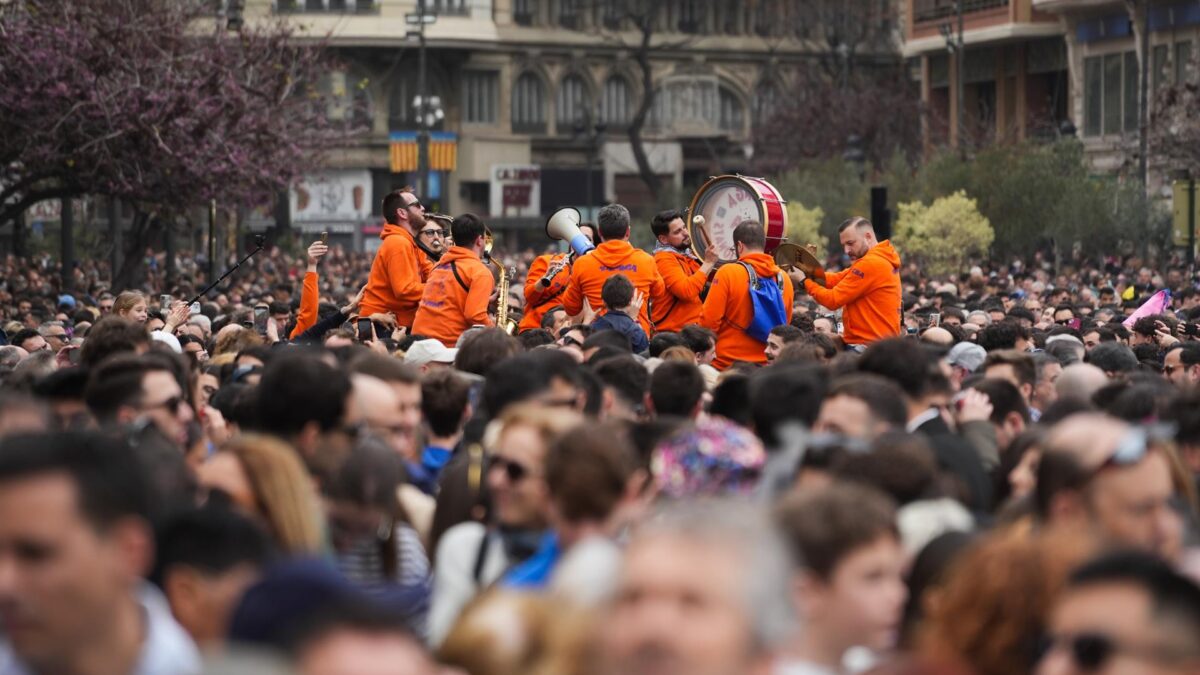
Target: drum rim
[{"x": 751, "y": 183}]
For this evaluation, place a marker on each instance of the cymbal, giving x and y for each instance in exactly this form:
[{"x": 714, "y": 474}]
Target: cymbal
[{"x": 790, "y": 255}]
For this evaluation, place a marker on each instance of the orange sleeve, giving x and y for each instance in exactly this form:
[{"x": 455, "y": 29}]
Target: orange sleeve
[
  {"x": 789, "y": 297},
  {"x": 851, "y": 287},
  {"x": 573, "y": 297},
  {"x": 475, "y": 307},
  {"x": 533, "y": 290},
  {"x": 406, "y": 280},
  {"x": 831, "y": 278},
  {"x": 717, "y": 301},
  {"x": 309, "y": 301},
  {"x": 679, "y": 283}
]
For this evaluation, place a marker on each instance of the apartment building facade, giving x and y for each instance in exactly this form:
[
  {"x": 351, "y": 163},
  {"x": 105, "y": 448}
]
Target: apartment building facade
[{"x": 535, "y": 100}]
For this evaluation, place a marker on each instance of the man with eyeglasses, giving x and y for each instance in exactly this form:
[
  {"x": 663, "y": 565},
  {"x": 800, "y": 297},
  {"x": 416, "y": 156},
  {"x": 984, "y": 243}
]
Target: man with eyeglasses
[
  {"x": 1100, "y": 475},
  {"x": 432, "y": 240},
  {"x": 137, "y": 389},
  {"x": 1181, "y": 364},
  {"x": 55, "y": 334},
  {"x": 1125, "y": 613},
  {"x": 400, "y": 268}
]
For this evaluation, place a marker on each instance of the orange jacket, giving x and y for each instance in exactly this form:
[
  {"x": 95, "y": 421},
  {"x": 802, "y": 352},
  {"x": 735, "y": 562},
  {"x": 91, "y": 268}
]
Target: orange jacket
[
  {"x": 869, "y": 290},
  {"x": 728, "y": 309},
  {"x": 310, "y": 298},
  {"x": 610, "y": 258},
  {"x": 447, "y": 308},
  {"x": 538, "y": 298},
  {"x": 684, "y": 280},
  {"x": 398, "y": 276}
]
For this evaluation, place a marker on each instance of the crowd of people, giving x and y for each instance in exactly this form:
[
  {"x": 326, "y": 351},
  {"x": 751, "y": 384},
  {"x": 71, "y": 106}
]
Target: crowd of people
[{"x": 666, "y": 464}]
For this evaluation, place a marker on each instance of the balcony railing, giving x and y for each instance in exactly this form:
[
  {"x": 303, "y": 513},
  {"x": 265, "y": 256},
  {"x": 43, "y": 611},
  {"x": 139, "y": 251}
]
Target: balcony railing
[
  {"x": 934, "y": 10},
  {"x": 330, "y": 6}
]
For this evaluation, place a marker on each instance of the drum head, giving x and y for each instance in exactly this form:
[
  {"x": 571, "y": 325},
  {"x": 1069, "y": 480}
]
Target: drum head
[{"x": 725, "y": 202}]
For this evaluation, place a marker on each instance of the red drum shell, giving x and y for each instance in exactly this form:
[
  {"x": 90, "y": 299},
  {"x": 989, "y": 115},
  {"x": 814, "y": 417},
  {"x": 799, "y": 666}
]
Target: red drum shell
[{"x": 726, "y": 202}]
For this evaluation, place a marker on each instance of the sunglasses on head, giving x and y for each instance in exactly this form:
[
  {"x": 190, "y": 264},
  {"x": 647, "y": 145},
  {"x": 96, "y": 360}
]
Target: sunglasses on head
[{"x": 514, "y": 471}]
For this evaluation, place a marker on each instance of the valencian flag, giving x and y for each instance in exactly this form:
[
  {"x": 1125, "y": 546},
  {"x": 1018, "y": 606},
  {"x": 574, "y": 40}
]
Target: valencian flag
[
  {"x": 1155, "y": 305},
  {"x": 443, "y": 151}
]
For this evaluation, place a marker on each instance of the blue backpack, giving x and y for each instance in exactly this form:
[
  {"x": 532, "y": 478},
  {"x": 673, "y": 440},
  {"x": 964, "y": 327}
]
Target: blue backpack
[{"x": 767, "y": 299}]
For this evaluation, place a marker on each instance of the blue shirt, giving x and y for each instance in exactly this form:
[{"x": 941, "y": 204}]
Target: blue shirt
[
  {"x": 535, "y": 572},
  {"x": 425, "y": 475}
]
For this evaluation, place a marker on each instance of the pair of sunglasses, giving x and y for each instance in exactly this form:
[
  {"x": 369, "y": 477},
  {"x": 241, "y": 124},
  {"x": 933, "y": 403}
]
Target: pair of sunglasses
[{"x": 514, "y": 471}]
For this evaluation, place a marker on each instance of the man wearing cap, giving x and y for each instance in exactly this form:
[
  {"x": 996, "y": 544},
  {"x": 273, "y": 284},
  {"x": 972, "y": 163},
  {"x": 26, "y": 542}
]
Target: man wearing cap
[
  {"x": 430, "y": 355},
  {"x": 964, "y": 359}
]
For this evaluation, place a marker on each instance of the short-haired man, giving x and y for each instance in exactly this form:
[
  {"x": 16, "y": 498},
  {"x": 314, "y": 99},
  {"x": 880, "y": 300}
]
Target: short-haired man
[
  {"x": 850, "y": 589},
  {"x": 1015, "y": 367},
  {"x": 780, "y": 336},
  {"x": 545, "y": 283},
  {"x": 1181, "y": 365},
  {"x": 614, "y": 255},
  {"x": 55, "y": 334},
  {"x": 131, "y": 389},
  {"x": 446, "y": 407},
  {"x": 684, "y": 274},
  {"x": 1100, "y": 475},
  {"x": 30, "y": 340},
  {"x": 869, "y": 290},
  {"x": 400, "y": 269},
  {"x": 698, "y": 593},
  {"x": 862, "y": 406},
  {"x": 458, "y": 290},
  {"x": 1124, "y": 613},
  {"x": 72, "y": 594},
  {"x": 729, "y": 307},
  {"x": 676, "y": 390}
]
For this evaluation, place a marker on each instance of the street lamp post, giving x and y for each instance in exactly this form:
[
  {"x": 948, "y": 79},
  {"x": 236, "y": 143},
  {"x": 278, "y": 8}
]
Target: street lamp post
[
  {"x": 594, "y": 137},
  {"x": 956, "y": 46}
]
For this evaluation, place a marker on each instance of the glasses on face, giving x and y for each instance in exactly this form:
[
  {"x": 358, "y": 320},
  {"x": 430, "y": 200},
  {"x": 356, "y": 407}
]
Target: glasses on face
[
  {"x": 515, "y": 472},
  {"x": 1064, "y": 322},
  {"x": 170, "y": 405},
  {"x": 417, "y": 203},
  {"x": 441, "y": 234}
]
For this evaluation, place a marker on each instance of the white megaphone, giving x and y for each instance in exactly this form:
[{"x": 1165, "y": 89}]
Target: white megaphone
[{"x": 564, "y": 225}]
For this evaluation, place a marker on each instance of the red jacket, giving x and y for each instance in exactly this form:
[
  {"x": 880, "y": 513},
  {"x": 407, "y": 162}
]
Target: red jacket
[
  {"x": 447, "y": 308},
  {"x": 869, "y": 290},
  {"x": 611, "y": 258},
  {"x": 538, "y": 298},
  {"x": 728, "y": 309},
  {"x": 684, "y": 280},
  {"x": 398, "y": 276}
]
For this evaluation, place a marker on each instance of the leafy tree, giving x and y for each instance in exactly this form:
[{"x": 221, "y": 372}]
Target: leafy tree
[
  {"x": 945, "y": 234},
  {"x": 144, "y": 102},
  {"x": 804, "y": 225},
  {"x": 833, "y": 186}
]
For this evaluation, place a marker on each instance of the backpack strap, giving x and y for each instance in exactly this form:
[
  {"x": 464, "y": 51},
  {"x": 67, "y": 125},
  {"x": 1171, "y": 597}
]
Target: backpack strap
[
  {"x": 458, "y": 277},
  {"x": 753, "y": 275}
]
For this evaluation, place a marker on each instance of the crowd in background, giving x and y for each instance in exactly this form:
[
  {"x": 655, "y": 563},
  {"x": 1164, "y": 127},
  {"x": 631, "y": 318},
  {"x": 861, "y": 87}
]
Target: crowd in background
[{"x": 1009, "y": 488}]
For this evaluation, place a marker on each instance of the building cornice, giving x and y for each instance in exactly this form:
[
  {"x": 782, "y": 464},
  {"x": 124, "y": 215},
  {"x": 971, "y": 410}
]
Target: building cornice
[{"x": 1009, "y": 32}]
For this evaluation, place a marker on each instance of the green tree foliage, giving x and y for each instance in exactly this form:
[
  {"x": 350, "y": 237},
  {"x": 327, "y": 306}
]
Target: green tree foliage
[
  {"x": 804, "y": 225},
  {"x": 834, "y": 186},
  {"x": 945, "y": 234}
]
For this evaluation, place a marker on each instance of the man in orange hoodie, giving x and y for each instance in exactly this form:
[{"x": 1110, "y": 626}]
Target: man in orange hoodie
[
  {"x": 543, "y": 291},
  {"x": 729, "y": 309},
  {"x": 615, "y": 255},
  {"x": 682, "y": 272},
  {"x": 400, "y": 268},
  {"x": 459, "y": 288},
  {"x": 869, "y": 290}
]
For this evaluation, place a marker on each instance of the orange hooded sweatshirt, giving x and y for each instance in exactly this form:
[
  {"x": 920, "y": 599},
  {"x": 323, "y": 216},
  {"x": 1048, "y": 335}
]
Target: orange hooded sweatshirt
[
  {"x": 397, "y": 276},
  {"x": 728, "y": 309},
  {"x": 447, "y": 308},
  {"x": 869, "y": 290},
  {"x": 538, "y": 298},
  {"x": 685, "y": 280},
  {"x": 610, "y": 258},
  {"x": 310, "y": 301}
]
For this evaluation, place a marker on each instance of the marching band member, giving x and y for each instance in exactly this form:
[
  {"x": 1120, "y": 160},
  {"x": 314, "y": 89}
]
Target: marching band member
[
  {"x": 682, "y": 272},
  {"x": 615, "y": 255},
  {"x": 432, "y": 237},
  {"x": 729, "y": 309},
  {"x": 460, "y": 287},
  {"x": 869, "y": 290},
  {"x": 400, "y": 268},
  {"x": 547, "y": 280}
]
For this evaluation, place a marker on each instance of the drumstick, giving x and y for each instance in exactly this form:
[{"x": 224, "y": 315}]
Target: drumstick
[{"x": 698, "y": 221}]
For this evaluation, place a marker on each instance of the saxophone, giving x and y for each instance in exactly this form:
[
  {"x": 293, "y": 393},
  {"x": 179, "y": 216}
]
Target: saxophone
[{"x": 504, "y": 274}]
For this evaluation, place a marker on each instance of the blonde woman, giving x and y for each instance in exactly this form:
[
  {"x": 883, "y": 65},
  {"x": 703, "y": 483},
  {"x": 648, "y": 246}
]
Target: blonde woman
[{"x": 265, "y": 478}]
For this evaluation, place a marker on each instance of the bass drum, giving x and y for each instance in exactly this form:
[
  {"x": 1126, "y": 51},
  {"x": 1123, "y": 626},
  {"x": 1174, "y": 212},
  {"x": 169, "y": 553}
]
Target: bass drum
[{"x": 728, "y": 201}]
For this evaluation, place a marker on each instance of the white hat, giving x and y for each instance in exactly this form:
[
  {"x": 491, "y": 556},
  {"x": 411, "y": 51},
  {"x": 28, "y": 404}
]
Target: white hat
[{"x": 429, "y": 351}]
